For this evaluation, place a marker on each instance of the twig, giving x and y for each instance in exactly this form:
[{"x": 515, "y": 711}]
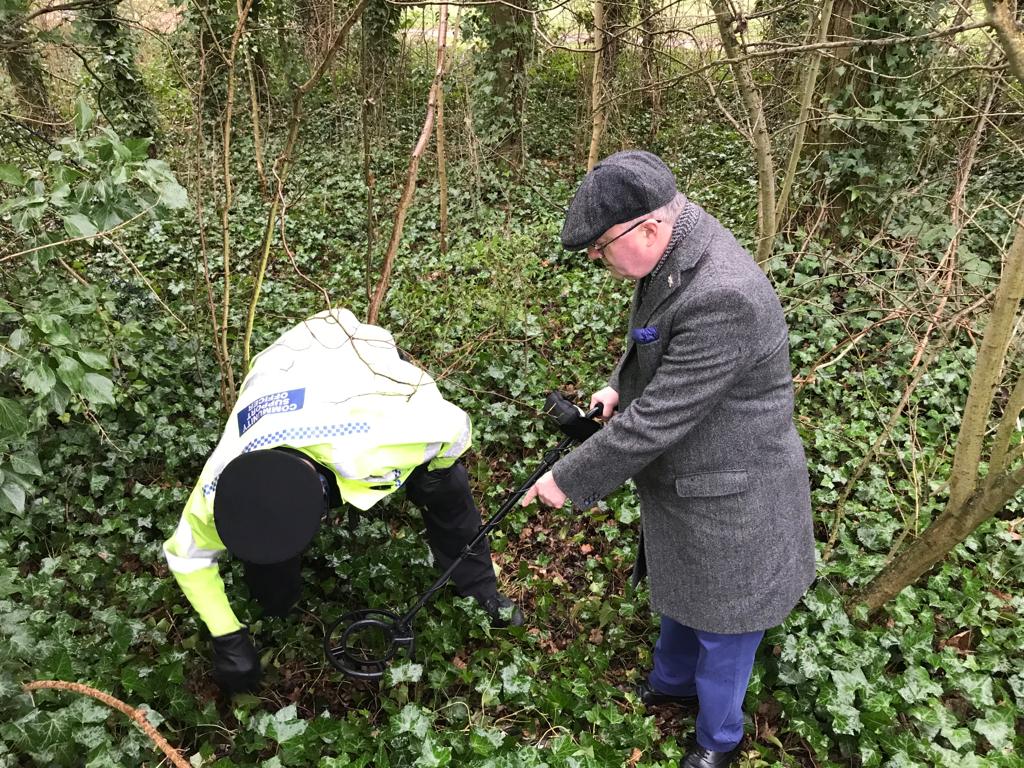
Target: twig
[
  {"x": 281, "y": 167},
  {"x": 138, "y": 715},
  {"x": 104, "y": 233},
  {"x": 410, "y": 181}
]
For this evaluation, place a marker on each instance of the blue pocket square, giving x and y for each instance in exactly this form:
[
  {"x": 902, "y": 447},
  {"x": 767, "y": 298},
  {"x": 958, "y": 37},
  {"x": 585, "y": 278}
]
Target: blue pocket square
[{"x": 644, "y": 335}]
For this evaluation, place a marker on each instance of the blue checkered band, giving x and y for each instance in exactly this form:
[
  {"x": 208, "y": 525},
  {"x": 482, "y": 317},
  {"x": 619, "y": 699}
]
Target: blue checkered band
[{"x": 305, "y": 434}]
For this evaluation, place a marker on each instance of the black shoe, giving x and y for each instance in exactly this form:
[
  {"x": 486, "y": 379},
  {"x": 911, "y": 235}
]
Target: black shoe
[
  {"x": 652, "y": 698},
  {"x": 503, "y": 612},
  {"x": 698, "y": 757}
]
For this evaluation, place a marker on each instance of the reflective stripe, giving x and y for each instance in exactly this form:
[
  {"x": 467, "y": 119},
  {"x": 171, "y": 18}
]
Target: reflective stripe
[
  {"x": 187, "y": 564},
  {"x": 188, "y": 556},
  {"x": 461, "y": 443}
]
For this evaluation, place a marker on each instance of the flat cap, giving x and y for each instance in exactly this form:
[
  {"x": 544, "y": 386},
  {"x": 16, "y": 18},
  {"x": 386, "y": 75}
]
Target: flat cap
[{"x": 621, "y": 187}]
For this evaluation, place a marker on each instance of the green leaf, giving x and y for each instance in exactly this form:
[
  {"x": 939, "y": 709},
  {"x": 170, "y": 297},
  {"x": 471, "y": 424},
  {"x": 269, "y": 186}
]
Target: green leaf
[
  {"x": 997, "y": 727},
  {"x": 11, "y": 175},
  {"x": 918, "y": 686},
  {"x": 95, "y": 360},
  {"x": 83, "y": 115},
  {"x": 97, "y": 389},
  {"x": 412, "y": 720},
  {"x": 26, "y": 463},
  {"x": 138, "y": 147},
  {"x": 405, "y": 673},
  {"x": 173, "y": 195},
  {"x": 12, "y": 417},
  {"x": 40, "y": 378},
  {"x": 78, "y": 225},
  {"x": 12, "y": 499},
  {"x": 283, "y": 725},
  {"x": 70, "y": 372}
]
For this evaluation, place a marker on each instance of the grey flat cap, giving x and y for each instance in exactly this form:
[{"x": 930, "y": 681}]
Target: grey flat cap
[{"x": 621, "y": 187}]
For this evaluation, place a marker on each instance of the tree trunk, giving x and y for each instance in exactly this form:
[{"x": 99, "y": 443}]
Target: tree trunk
[
  {"x": 806, "y": 96},
  {"x": 838, "y": 71},
  {"x": 598, "y": 108},
  {"x": 649, "y": 26},
  {"x": 938, "y": 540},
  {"x": 442, "y": 174},
  {"x": 510, "y": 33},
  {"x": 130, "y": 110},
  {"x": 23, "y": 64},
  {"x": 758, "y": 133},
  {"x": 972, "y": 500}
]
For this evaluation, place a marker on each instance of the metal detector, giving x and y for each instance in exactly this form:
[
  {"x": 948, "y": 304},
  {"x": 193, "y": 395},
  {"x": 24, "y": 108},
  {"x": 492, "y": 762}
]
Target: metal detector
[{"x": 362, "y": 643}]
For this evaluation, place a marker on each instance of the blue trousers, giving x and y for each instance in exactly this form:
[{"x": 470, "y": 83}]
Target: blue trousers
[{"x": 713, "y": 666}]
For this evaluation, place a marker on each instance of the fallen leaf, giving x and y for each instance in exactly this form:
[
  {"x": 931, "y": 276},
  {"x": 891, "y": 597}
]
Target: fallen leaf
[{"x": 961, "y": 641}]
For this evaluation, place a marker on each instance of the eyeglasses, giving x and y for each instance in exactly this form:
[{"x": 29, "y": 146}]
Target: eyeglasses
[{"x": 600, "y": 248}]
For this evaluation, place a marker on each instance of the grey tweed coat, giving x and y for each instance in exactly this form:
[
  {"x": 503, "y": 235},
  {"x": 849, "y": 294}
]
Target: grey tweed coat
[{"x": 705, "y": 428}]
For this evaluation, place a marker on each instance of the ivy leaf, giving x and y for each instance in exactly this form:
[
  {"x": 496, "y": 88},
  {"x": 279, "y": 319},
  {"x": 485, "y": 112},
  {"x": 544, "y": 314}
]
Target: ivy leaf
[
  {"x": 40, "y": 378},
  {"x": 78, "y": 225},
  {"x": 95, "y": 360},
  {"x": 412, "y": 720},
  {"x": 11, "y": 175},
  {"x": 26, "y": 463},
  {"x": 918, "y": 686},
  {"x": 97, "y": 389},
  {"x": 70, "y": 372},
  {"x": 12, "y": 417},
  {"x": 83, "y": 115},
  {"x": 432, "y": 755},
  {"x": 513, "y": 682},
  {"x": 283, "y": 725},
  {"x": 173, "y": 195},
  {"x": 12, "y": 499},
  {"x": 405, "y": 673},
  {"x": 997, "y": 727}
]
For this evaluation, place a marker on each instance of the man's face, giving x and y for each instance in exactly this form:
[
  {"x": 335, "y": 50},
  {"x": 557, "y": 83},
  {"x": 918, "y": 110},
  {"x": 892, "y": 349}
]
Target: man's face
[{"x": 628, "y": 249}]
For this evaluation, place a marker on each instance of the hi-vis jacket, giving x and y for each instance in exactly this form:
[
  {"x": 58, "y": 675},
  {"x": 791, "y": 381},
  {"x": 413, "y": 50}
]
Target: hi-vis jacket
[{"x": 336, "y": 390}]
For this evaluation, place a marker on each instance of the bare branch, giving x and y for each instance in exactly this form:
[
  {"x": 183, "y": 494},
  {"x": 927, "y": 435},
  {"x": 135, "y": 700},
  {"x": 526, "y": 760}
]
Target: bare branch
[{"x": 410, "y": 181}]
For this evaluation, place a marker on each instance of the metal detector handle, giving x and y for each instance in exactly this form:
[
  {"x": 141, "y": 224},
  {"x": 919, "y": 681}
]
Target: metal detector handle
[{"x": 550, "y": 459}]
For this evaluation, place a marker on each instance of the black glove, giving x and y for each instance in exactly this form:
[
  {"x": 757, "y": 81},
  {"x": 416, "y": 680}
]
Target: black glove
[
  {"x": 236, "y": 667},
  {"x": 570, "y": 419}
]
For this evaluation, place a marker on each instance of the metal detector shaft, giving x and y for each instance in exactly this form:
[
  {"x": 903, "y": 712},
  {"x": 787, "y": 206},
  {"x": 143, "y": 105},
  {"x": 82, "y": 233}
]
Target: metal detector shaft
[{"x": 550, "y": 458}]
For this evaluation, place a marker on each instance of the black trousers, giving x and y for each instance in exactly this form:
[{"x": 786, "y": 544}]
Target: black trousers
[{"x": 452, "y": 520}]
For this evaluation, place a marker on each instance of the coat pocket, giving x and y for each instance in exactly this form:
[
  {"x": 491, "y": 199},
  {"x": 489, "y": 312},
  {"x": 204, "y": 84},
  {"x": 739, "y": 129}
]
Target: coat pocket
[{"x": 710, "y": 484}]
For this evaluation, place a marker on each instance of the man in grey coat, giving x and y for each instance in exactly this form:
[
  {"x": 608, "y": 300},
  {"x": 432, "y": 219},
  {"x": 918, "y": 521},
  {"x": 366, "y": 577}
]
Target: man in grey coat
[{"x": 699, "y": 413}]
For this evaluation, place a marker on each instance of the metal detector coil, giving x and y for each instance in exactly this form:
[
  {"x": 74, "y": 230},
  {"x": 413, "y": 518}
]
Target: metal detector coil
[{"x": 351, "y": 647}]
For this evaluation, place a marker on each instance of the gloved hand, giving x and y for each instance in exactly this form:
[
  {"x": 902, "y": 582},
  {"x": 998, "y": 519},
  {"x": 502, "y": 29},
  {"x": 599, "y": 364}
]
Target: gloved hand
[{"x": 236, "y": 666}]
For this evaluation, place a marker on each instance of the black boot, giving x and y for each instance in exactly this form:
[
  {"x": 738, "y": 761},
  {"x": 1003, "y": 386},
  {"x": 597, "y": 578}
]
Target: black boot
[
  {"x": 503, "y": 612},
  {"x": 652, "y": 698},
  {"x": 698, "y": 757}
]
